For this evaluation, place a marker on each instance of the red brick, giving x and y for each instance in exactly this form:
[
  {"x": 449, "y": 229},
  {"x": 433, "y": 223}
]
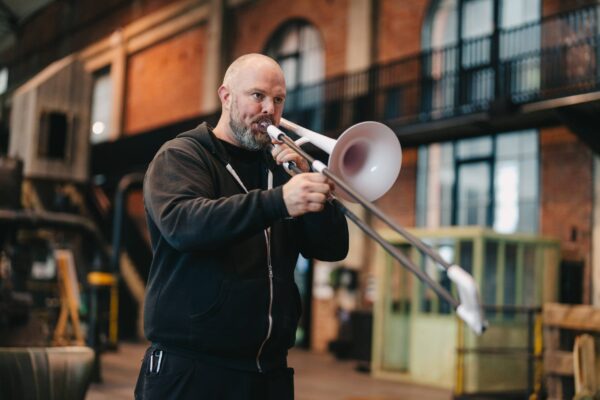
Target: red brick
[
  {"x": 399, "y": 203},
  {"x": 164, "y": 82},
  {"x": 400, "y": 25},
  {"x": 566, "y": 195}
]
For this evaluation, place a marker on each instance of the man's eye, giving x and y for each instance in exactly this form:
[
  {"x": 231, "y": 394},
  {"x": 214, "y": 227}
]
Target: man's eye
[
  {"x": 279, "y": 100},
  {"x": 258, "y": 96}
]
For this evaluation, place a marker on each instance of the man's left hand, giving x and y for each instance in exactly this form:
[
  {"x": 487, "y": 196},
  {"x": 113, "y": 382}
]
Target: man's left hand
[{"x": 282, "y": 154}]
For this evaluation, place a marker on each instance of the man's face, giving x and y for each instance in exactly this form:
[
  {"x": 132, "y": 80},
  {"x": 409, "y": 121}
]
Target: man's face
[{"x": 257, "y": 95}]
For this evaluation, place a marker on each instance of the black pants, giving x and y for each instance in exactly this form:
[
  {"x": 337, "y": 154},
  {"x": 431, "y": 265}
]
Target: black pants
[{"x": 181, "y": 377}]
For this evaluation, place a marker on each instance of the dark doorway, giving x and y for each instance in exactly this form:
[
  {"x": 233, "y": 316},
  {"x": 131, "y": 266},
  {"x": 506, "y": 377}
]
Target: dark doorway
[{"x": 571, "y": 282}]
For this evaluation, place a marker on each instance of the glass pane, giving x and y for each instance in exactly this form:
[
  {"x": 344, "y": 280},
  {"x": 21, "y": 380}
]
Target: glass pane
[
  {"x": 473, "y": 194},
  {"x": 422, "y": 172},
  {"x": 528, "y": 187},
  {"x": 476, "y": 147},
  {"x": 446, "y": 182},
  {"x": 516, "y": 182},
  {"x": 101, "y": 114},
  {"x": 311, "y": 61},
  {"x": 311, "y": 70},
  {"x": 507, "y": 146},
  {"x": 289, "y": 66},
  {"x": 519, "y": 12},
  {"x": 290, "y": 42},
  {"x": 477, "y": 18},
  {"x": 433, "y": 186},
  {"x": 515, "y": 145},
  {"x": 528, "y": 142},
  {"x": 506, "y": 185},
  {"x": 444, "y": 30},
  {"x": 309, "y": 39},
  {"x": 528, "y": 217}
]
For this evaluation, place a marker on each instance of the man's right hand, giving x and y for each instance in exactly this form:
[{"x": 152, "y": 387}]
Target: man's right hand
[{"x": 305, "y": 193}]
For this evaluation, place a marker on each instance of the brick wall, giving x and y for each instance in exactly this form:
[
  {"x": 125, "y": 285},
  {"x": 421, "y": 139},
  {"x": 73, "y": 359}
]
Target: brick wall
[
  {"x": 400, "y": 24},
  {"x": 256, "y": 22},
  {"x": 164, "y": 82},
  {"x": 566, "y": 196},
  {"x": 399, "y": 203}
]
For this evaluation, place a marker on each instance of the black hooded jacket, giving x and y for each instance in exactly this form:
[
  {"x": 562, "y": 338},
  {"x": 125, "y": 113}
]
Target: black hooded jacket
[{"x": 209, "y": 292}]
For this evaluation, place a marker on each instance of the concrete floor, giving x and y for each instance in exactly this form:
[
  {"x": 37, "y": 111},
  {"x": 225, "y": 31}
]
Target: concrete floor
[{"x": 317, "y": 377}]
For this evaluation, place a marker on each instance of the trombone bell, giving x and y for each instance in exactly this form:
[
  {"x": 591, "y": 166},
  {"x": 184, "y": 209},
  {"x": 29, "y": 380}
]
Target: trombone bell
[{"x": 367, "y": 156}]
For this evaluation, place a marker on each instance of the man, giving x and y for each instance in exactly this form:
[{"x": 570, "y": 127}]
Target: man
[{"x": 227, "y": 224}]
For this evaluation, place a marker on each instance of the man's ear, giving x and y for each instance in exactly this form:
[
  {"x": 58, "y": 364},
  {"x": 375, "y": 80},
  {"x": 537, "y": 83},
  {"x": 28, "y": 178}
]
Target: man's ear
[{"x": 225, "y": 96}]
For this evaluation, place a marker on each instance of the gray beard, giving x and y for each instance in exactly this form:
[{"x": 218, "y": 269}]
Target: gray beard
[{"x": 245, "y": 137}]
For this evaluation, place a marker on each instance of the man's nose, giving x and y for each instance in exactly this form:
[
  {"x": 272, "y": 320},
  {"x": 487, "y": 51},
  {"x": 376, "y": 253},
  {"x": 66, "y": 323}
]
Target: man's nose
[{"x": 268, "y": 107}]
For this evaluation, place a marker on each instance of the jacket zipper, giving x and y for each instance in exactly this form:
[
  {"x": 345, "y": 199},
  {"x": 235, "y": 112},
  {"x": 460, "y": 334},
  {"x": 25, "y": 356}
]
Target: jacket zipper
[
  {"x": 270, "y": 267},
  {"x": 270, "y": 270},
  {"x": 270, "y": 305}
]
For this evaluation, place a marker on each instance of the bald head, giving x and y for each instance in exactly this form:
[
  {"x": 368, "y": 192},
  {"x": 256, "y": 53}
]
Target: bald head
[{"x": 253, "y": 60}]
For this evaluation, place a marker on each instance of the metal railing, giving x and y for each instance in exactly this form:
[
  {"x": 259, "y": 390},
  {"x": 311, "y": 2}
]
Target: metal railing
[{"x": 555, "y": 57}]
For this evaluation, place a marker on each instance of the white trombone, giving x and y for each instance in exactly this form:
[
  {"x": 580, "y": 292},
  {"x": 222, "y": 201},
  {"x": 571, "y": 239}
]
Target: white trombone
[{"x": 364, "y": 164}]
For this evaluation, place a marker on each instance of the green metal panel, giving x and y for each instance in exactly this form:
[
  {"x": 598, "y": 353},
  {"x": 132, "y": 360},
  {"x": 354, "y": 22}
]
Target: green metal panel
[
  {"x": 418, "y": 338},
  {"x": 396, "y": 328},
  {"x": 500, "y": 272}
]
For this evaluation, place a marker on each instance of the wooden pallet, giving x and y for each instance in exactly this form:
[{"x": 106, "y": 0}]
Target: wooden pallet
[{"x": 560, "y": 319}]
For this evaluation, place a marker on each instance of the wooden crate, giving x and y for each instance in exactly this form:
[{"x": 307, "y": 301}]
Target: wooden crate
[{"x": 560, "y": 320}]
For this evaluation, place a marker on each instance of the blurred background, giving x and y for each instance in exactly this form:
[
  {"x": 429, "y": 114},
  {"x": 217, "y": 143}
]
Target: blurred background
[{"x": 495, "y": 102}]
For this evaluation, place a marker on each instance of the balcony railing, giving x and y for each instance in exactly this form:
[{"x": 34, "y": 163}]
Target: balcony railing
[{"x": 552, "y": 58}]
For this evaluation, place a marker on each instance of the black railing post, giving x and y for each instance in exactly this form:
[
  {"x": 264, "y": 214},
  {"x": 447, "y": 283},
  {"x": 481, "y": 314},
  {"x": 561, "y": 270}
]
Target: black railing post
[
  {"x": 459, "y": 85},
  {"x": 495, "y": 52}
]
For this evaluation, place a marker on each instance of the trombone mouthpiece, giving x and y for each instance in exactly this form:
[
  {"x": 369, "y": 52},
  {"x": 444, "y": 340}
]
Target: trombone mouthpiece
[
  {"x": 270, "y": 129},
  {"x": 274, "y": 132},
  {"x": 264, "y": 124}
]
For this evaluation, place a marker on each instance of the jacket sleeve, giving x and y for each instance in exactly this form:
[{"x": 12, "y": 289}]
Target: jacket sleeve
[
  {"x": 324, "y": 235},
  {"x": 180, "y": 198}
]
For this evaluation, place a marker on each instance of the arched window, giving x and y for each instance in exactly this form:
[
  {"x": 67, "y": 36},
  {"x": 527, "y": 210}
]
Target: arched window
[
  {"x": 462, "y": 63},
  {"x": 298, "y": 48}
]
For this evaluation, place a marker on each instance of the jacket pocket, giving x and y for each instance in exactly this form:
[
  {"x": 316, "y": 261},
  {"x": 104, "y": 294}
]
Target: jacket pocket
[
  {"x": 236, "y": 323},
  {"x": 286, "y": 314},
  {"x": 216, "y": 305}
]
